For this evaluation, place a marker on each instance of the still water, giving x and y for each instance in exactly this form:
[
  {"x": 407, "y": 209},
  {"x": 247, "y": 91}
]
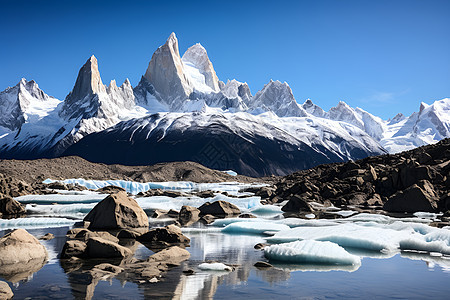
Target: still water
[{"x": 405, "y": 275}]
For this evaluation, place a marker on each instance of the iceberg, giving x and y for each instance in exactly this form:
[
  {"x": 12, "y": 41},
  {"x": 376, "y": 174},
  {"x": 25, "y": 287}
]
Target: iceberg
[
  {"x": 311, "y": 252},
  {"x": 345, "y": 235},
  {"x": 34, "y": 222},
  {"x": 254, "y": 227}
]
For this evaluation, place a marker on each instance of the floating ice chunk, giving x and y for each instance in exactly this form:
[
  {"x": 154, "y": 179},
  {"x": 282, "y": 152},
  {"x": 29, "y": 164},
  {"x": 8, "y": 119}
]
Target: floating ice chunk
[
  {"x": 254, "y": 227},
  {"x": 29, "y": 223},
  {"x": 214, "y": 267},
  {"x": 230, "y": 172},
  {"x": 228, "y": 221},
  {"x": 426, "y": 215},
  {"x": 309, "y": 251},
  {"x": 310, "y": 216},
  {"x": 436, "y": 241},
  {"x": 266, "y": 209},
  {"x": 78, "y": 210},
  {"x": 344, "y": 213},
  {"x": 61, "y": 199},
  {"x": 345, "y": 235}
]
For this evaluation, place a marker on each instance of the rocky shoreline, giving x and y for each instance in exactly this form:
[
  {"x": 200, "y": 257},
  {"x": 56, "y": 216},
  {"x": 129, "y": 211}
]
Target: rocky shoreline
[{"x": 408, "y": 182}]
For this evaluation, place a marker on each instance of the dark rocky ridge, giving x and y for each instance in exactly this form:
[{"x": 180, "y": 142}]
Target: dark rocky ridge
[
  {"x": 415, "y": 180},
  {"x": 18, "y": 175}
]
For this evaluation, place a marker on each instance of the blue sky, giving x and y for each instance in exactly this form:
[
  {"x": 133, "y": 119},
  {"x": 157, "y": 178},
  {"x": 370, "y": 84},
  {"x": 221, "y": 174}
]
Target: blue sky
[{"x": 383, "y": 56}]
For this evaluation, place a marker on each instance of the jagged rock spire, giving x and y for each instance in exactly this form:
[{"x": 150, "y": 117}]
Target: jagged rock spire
[
  {"x": 87, "y": 86},
  {"x": 88, "y": 81},
  {"x": 165, "y": 72},
  {"x": 198, "y": 57}
]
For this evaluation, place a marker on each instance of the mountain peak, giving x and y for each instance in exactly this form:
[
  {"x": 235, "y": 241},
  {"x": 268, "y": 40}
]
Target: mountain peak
[
  {"x": 166, "y": 73},
  {"x": 88, "y": 81},
  {"x": 195, "y": 61}
]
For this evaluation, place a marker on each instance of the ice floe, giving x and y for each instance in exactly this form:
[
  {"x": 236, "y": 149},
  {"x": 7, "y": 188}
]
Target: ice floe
[
  {"x": 214, "y": 267},
  {"x": 310, "y": 251},
  {"x": 61, "y": 199},
  {"x": 35, "y": 222},
  {"x": 254, "y": 227}
]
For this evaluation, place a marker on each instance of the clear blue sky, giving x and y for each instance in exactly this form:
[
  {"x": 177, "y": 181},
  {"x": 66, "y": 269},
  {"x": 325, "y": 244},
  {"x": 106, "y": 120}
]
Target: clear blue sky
[{"x": 383, "y": 56}]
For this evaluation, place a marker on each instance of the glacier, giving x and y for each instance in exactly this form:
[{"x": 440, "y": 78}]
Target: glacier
[{"x": 135, "y": 188}]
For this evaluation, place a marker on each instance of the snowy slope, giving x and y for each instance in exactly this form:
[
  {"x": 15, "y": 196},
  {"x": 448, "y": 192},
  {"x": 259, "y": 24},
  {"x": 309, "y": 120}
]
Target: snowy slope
[{"x": 251, "y": 145}]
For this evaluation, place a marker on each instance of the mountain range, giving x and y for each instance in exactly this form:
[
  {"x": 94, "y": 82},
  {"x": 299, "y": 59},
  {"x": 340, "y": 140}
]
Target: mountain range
[{"x": 180, "y": 111}]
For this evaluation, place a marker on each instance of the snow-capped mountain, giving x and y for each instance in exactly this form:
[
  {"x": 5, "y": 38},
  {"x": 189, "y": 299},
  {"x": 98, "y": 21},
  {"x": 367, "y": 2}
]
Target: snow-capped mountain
[
  {"x": 180, "y": 110},
  {"x": 24, "y": 103},
  {"x": 248, "y": 144},
  {"x": 88, "y": 108},
  {"x": 430, "y": 125}
]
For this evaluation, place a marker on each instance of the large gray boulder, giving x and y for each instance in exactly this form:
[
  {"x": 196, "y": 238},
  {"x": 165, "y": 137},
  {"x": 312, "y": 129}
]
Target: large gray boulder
[
  {"x": 117, "y": 211},
  {"x": 19, "y": 246},
  {"x": 418, "y": 197}
]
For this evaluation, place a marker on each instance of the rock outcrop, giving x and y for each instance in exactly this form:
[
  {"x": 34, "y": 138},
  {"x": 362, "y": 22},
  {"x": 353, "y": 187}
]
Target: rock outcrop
[
  {"x": 411, "y": 181},
  {"x": 117, "y": 211},
  {"x": 417, "y": 197},
  {"x": 9, "y": 206},
  {"x": 219, "y": 208}
]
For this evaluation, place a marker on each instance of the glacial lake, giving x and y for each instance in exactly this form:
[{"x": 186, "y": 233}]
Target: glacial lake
[{"x": 420, "y": 271}]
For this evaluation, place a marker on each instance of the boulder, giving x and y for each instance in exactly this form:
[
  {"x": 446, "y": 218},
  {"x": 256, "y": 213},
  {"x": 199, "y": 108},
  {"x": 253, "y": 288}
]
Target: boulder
[
  {"x": 164, "y": 236},
  {"x": 5, "y": 291},
  {"x": 47, "y": 237},
  {"x": 247, "y": 216},
  {"x": 86, "y": 234},
  {"x": 101, "y": 248},
  {"x": 262, "y": 265},
  {"x": 110, "y": 189},
  {"x": 130, "y": 234},
  {"x": 297, "y": 203},
  {"x": 219, "y": 208},
  {"x": 117, "y": 211},
  {"x": 205, "y": 194},
  {"x": 73, "y": 248},
  {"x": 188, "y": 214},
  {"x": 171, "y": 256},
  {"x": 418, "y": 197},
  {"x": 19, "y": 246},
  {"x": 159, "y": 213},
  {"x": 9, "y": 206},
  {"x": 208, "y": 219}
]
